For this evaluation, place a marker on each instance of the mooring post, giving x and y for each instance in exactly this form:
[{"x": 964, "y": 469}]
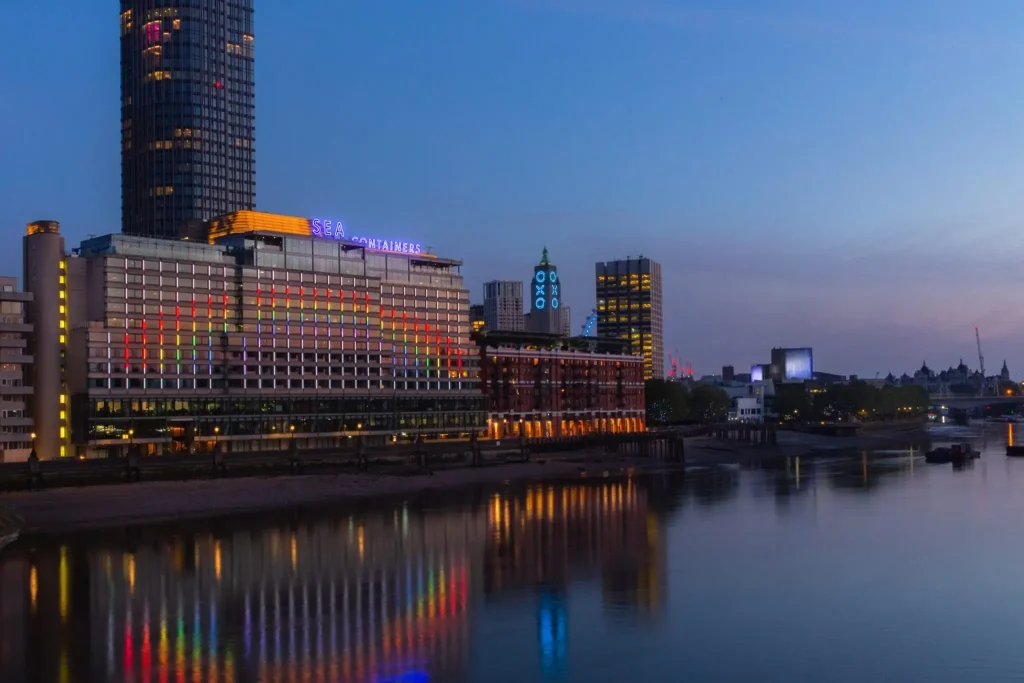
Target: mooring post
[
  {"x": 361, "y": 462},
  {"x": 474, "y": 448},
  {"x": 219, "y": 469}
]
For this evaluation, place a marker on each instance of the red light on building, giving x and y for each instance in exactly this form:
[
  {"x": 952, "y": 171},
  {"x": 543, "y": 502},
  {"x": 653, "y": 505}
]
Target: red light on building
[{"x": 219, "y": 85}]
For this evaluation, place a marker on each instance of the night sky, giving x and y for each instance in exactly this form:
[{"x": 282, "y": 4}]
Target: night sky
[{"x": 841, "y": 175}]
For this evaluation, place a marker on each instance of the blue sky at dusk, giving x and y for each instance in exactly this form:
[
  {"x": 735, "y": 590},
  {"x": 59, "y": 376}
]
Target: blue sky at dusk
[{"x": 842, "y": 175}]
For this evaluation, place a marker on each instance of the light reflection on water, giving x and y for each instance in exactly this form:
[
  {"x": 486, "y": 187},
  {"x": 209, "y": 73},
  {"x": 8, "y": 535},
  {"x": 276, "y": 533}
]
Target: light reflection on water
[
  {"x": 385, "y": 594},
  {"x": 848, "y": 569}
]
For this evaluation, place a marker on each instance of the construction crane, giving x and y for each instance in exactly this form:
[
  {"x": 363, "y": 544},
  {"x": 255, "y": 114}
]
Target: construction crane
[
  {"x": 981, "y": 359},
  {"x": 588, "y": 326}
]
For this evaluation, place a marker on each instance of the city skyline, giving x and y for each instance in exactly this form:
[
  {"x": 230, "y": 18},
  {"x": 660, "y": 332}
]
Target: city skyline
[{"x": 897, "y": 139}]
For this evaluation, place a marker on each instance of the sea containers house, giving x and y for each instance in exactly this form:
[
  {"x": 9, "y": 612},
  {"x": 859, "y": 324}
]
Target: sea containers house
[{"x": 280, "y": 330}]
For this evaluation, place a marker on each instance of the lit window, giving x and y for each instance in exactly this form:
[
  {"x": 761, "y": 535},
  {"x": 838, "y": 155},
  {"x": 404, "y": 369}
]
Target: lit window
[
  {"x": 63, "y": 339},
  {"x": 63, "y": 399},
  {"x": 62, "y": 325},
  {"x": 63, "y": 432},
  {"x": 62, "y": 311},
  {"x": 151, "y": 31}
]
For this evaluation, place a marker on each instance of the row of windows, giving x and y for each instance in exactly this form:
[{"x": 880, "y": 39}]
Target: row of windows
[
  {"x": 200, "y": 368},
  {"x": 294, "y": 345},
  {"x": 100, "y": 430},
  {"x": 190, "y": 384},
  {"x": 292, "y": 308},
  {"x": 277, "y": 405},
  {"x": 209, "y": 161},
  {"x": 252, "y": 278}
]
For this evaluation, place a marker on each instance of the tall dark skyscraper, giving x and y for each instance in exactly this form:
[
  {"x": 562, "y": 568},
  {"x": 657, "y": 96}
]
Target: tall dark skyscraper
[
  {"x": 629, "y": 307},
  {"x": 187, "y": 114}
]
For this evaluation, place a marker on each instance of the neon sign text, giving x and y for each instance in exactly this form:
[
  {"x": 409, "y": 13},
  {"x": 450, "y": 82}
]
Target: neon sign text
[
  {"x": 326, "y": 228},
  {"x": 545, "y": 289},
  {"x": 320, "y": 227}
]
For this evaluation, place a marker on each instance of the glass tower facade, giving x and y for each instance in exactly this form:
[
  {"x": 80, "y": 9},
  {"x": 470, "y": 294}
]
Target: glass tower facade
[
  {"x": 187, "y": 114},
  {"x": 629, "y": 307}
]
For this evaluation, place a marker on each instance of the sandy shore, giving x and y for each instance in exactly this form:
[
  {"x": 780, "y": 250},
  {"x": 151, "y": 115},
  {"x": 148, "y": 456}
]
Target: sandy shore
[{"x": 95, "y": 507}]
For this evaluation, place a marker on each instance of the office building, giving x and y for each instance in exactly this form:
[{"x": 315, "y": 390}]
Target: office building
[
  {"x": 503, "y": 305},
  {"x": 262, "y": 339},
  {"x": 476, "y": 317},
  {"x": 45, "y": 268},
  {"x": 544, "y": 385},
  {"x": 565, "y": 321},
  {"x": 15, "y": 373},
  {"x": 629, "y": 307},
  {"x": 545, "y": 298},
  {"x": 187, "y": 115}
]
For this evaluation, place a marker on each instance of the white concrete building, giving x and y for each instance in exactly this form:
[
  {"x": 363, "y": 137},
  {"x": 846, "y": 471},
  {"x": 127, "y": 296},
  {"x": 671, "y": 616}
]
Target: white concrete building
[{"x": 503, "y": 305}]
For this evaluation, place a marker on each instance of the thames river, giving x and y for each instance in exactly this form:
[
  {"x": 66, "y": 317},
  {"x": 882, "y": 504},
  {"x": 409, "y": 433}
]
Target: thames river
[{"x": 876, "y": 567}]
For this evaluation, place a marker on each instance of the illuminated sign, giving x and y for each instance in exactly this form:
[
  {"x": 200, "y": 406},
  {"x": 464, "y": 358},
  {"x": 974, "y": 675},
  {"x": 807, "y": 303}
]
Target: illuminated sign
[
  {"x": 545, "y": 289},
  {"x": 799, "y": 364},
  {"x": 322, "y": 227}
]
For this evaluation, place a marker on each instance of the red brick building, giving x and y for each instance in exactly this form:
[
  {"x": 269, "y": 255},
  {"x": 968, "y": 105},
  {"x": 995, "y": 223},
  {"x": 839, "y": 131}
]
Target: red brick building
[{"x": 548, "y": 385}]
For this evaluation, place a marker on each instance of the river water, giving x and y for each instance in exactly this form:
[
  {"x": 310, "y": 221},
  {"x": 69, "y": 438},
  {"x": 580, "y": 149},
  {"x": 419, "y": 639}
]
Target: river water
[{"x": 870, "y": 568}]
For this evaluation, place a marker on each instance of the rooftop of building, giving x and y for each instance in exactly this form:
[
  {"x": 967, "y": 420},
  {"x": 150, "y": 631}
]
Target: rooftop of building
[
  {"x": 259, "y": 222},
  {"x": 44, "y": 226},
  {"x": 236, "y": 239},
  {"x": 551, "y": 342}
]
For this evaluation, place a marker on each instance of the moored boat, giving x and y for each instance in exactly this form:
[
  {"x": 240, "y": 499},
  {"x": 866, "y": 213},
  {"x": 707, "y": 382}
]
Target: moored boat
[{"x": 957, "y": 453}]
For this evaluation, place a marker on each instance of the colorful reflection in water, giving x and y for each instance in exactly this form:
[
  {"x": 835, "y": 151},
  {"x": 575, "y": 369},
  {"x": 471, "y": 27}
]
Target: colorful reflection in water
[{"x": 377, "y": 597}]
